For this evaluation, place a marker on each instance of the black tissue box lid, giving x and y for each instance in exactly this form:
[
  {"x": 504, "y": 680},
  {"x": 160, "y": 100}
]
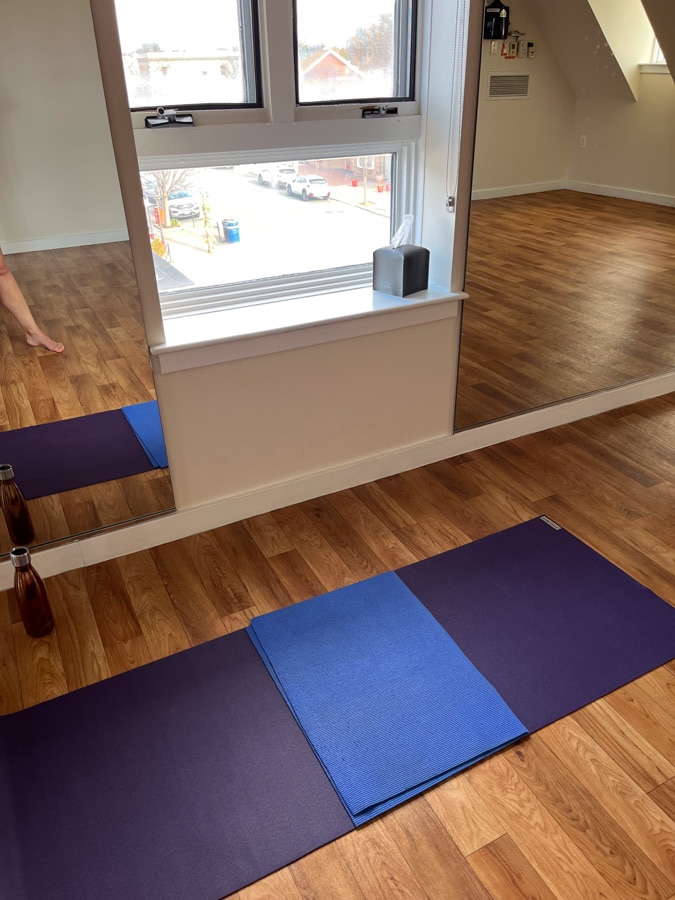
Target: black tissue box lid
[{"x": 401, "y": 270}]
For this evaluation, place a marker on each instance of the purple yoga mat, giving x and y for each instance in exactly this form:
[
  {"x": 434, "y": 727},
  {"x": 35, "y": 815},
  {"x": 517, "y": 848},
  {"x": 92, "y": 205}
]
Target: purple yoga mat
[
  {"x": 549, "y": 622},
  {"x": 186, "y": 779},
  {"x": 74, "y": 453},
  {"x": 189, "y": 778}
]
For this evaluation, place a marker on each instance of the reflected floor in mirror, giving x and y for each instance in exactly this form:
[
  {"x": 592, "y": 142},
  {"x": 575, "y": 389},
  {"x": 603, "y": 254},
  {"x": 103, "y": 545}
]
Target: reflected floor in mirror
[
  {"x": 87, "y": 298},
  {"x": 569, "y": 293}
]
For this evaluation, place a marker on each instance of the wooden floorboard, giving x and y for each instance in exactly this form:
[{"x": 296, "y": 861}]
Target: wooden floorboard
[
  {"x": 582, "y": 809},
  {"x": 568, "y": 293},
  {"x": 87, "y": 298}
]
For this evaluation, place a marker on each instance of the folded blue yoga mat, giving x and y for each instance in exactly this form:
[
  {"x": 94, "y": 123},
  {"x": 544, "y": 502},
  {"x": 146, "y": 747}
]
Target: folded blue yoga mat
[
  {"x": 387, "y": 700},
  {"x": 147, "y": 426}
]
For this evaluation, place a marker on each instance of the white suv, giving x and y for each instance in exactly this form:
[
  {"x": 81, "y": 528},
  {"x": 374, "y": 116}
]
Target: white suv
[
  {"x": 184, "y": 205},
  {"x": 277, "y": 175}
]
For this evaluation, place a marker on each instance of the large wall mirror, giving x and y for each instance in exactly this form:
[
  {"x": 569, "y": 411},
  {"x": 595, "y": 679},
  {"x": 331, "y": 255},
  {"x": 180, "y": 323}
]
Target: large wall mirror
[
  {"x": 570, "y": 267},
  {"x": 63, "y": 232}
]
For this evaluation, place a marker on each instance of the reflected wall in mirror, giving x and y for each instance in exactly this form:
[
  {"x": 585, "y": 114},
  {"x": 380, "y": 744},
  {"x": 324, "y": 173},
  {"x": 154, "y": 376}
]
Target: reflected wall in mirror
[
  {"x": 63, "y": 233},
  {"x": 570, "y": 267}
]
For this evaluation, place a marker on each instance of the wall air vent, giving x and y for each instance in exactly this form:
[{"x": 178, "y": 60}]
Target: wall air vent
[{"x": 508, "y": 87}]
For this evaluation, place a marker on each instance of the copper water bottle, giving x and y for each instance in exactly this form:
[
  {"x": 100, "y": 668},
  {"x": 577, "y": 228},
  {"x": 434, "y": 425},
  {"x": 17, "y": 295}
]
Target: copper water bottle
[
  {"x": 31, "y": 594},
  {"x": 15, "y": 508}
]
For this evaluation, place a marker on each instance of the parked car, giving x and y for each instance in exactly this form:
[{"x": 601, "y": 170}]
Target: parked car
[
  {"x": 277, "y": 175},
  {"x": 309, "y": 187},
  {"x": 184, "y": 205},
  {"x": 149, "y": 186}
]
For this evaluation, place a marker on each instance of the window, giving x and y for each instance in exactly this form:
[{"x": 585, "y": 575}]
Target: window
[
  {"x": 657, "y": 57},
  {"x": 198, "y": 54},
  {"x": 245, "y": 230},
  {"x": 292, "y": 196},
  {"x": 365, "y": 52}
]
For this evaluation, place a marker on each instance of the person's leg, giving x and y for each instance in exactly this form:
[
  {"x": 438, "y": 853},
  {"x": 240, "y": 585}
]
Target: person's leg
[{"x": 14, "y": 302}]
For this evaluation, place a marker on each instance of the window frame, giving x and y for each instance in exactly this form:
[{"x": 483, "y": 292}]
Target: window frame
[
  {"x": 311, "y": 282},
  {"x": 405, "y": 69},
  {"x": 262, "y": 135},
  {"x": 430, "y": 122}
]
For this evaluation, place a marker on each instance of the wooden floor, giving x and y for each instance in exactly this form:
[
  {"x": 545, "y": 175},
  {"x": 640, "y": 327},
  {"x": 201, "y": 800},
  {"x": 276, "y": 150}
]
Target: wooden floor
[
  {"x": 584, "y": 808},
  {"x": 87, "y": 298},
  {"x": 568, "y": 293}
]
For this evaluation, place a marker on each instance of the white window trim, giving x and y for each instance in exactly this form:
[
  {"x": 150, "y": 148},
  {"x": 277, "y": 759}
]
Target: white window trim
[
  {"x": 431, "y": 124},
  {"x": 248, "y": 331}
]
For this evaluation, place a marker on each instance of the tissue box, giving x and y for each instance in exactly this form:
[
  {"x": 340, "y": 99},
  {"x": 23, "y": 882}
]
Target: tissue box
[{"x": 401, "y": 270}]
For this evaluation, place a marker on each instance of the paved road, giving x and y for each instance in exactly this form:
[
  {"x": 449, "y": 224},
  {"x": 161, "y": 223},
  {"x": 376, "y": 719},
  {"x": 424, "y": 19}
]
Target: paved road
[{"x": 280, "y": 235}]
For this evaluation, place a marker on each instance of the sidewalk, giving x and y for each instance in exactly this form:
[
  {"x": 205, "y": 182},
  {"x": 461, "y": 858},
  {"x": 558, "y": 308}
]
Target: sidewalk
[{"x": 378, "y": 202}]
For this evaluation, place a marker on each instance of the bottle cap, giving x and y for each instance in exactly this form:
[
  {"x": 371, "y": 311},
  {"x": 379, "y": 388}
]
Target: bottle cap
[
  {"x": 20, "y": 556},
  {"x": 6, "y": 472}
]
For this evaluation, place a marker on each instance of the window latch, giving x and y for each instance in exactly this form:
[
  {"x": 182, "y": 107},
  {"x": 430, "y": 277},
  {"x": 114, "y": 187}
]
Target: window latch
[
  {"x": 378, "y": 112},
  {"x": 170, "y": 117}
]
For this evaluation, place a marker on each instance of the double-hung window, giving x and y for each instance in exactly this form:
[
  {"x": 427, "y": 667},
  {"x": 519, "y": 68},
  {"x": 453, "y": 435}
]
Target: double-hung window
[
  {"x": 281, "y": 142},
  {"x": 277, "y": 141}
]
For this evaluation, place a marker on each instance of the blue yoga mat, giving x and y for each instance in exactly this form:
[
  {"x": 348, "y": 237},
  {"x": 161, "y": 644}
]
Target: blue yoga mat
[
  {"x": 387, "y": 700},
  {"x": 145, "y": 422}
]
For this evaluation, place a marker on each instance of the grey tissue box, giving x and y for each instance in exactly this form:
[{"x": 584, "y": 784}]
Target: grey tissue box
[{"x": 401, "y": 270}]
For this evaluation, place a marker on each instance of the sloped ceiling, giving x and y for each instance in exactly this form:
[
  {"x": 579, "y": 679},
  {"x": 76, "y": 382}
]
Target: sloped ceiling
[{"x": 599, "y": 44}]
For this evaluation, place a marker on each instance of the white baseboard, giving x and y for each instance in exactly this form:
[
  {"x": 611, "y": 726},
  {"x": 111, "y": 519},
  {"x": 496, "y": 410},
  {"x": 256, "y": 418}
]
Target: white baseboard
[
  {"x": 511, "y": 190},
  {"x": 607, "y": 190},
  {"x": 58, "y": 242},
  {"x": 184, "y": 522},
  {"x": 604, "y": 190}
]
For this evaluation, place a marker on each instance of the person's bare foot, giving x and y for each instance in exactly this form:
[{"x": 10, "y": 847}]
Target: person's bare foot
[{"x": 40, "y": 339}]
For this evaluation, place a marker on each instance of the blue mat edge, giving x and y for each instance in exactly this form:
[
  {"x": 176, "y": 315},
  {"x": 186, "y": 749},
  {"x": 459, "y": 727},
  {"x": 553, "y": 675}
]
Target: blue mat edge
[
  {"x": 376, "y": 810},
  {"x": 146, "y": 424}
]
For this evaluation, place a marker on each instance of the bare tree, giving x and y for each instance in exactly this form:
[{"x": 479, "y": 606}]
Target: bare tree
[
  {"x": 165, "y": 182},
  {"x": 373, "y": 47}
]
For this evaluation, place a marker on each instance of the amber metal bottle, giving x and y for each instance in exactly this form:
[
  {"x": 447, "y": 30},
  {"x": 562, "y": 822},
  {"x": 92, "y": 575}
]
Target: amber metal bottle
[
  {"x": 15, "y": 508},
  {"x": 31, "y": 594}
]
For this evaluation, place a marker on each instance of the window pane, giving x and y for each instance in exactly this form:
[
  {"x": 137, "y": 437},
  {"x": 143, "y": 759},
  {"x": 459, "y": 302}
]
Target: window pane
[
  {"x": 222, "y": 226},
  {"x": 362, "y": 51},
  {"x": 178, "y": 54}
]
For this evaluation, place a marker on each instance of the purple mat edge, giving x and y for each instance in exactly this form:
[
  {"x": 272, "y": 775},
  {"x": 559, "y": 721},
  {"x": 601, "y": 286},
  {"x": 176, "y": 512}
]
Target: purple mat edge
[
  {"x": 545, "y": 667},
  {"x": 296, "y": 812},
  {"x": 73, "y": 453}
]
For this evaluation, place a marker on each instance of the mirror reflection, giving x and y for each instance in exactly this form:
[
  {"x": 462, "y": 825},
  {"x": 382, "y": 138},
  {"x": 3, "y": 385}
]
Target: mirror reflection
[
  {"x": 63, "y": 236},
  {"x": 569, "y": 268}
]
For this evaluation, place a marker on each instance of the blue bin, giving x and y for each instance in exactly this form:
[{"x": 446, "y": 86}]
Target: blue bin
[{"x": 232, "y": 230}]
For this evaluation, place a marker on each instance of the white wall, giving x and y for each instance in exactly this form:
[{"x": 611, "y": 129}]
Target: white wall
[
  {"x": 523, "y": 144},
  {"x": 283, "y": 417},
  {"x": 534, "y": 144},
  {"x": 59, "y": 184},
  {"x": 630, "y": 146}
]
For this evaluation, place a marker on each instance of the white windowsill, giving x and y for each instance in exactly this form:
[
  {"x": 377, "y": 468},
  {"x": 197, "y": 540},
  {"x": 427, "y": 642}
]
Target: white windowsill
[
  {"x": 654, "y": 69},
  {"x": 256, "y": 330}
]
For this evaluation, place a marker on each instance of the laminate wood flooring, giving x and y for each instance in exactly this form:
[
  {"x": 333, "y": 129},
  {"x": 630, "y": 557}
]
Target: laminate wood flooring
[
  {"x": 582, "y": 809},
  {"x": 569, "y": 293}
]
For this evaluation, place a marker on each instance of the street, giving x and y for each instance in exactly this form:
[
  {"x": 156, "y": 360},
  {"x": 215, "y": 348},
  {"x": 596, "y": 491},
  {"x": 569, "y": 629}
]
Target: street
[{"x": 279, "y": 234}]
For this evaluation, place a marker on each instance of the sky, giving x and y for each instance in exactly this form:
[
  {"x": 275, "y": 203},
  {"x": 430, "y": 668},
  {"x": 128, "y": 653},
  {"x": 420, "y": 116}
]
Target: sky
[{"x": 179, "y": 24}]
